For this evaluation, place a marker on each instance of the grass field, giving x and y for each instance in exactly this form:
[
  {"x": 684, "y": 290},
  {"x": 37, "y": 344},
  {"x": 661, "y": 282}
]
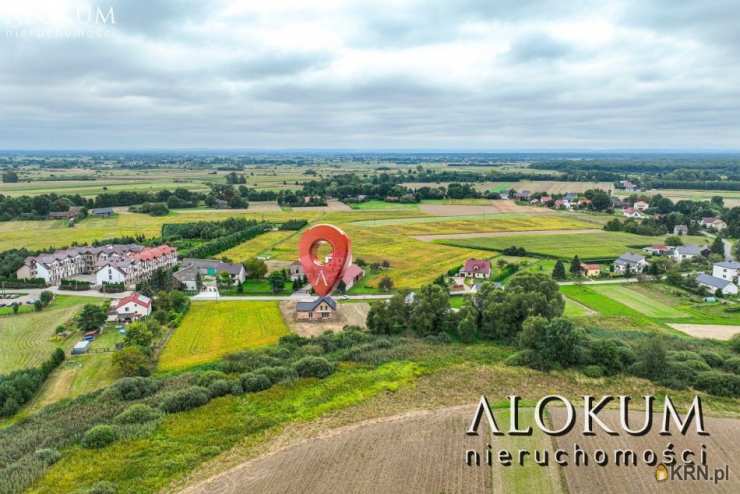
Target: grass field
[
  {"x": 375, "y": 204},
  {"x": 28, "y": 339},
  {"x": 213, "y": 329},
  {"x": 601, "y": 245},
  {"x": 640, "y": 301},
  {"x": 261, "y": 244}
]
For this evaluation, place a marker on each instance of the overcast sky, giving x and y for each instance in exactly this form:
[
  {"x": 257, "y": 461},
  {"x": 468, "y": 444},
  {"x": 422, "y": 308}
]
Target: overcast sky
[{"x": 461, "y": 74}]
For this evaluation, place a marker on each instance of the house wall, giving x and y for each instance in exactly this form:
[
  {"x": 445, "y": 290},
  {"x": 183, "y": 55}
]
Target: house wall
[
  {"x": 724, "y": 273},
  {"x": 109, "y": 274}
]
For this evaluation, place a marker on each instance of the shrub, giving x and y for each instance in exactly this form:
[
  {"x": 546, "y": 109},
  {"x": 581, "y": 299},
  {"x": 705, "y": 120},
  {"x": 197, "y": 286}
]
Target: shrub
[
  {"x": 132, "y": 388},
  {"x": 137, "y": 414},
  {"x": 219, "y": 387},
  {"x": 48, "y": 456},
  {"x": 678, "y": 375},
  {"x": 313, "y": 367},
  {"x": 313, "y": 349},
  {"x": 102, "y": 487},
  {"x": 594, "y": 371},
  {"x": 99, "y": 436},
  {"x": 251, "y": 382},
  {"x": 732, "y": 364},
  {"x": 278, "y": 374},
  {"x": 698, "y": 365},
  {"x": 718, "y": 383},
  {"x": 712, "y": 358},
  {"x": 236, "y": 388},
  {"x": 520, "y": 359},
  {"x": 206, "y": 378},
  {"x": 735, "y": 343},
  {"x": 185, "y": 399}
]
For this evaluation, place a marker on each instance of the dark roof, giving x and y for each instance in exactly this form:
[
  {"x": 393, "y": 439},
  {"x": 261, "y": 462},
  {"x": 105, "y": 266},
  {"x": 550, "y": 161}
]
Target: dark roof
[
  {"x": 706, "y": 279},
  {"x": 310, "y": 305},
  {"x": 219, "y": 266}
]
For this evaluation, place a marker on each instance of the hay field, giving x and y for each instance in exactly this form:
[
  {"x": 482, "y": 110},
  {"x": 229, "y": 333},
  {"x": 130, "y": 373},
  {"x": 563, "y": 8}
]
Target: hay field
[
  {"x": 481, "y": 206},
  {"x": 721, "y": 444},
  {"x": 714, "y": 331},
  {"x": 261, "y": 244},
  {"x": 210, "y": 330},
  {"x": 415, "y": 452}
]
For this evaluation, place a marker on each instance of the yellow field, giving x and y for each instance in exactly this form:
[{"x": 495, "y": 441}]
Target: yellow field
[
  {"x": 211, "y": 330},
  {"x": 256, "y": 246}
]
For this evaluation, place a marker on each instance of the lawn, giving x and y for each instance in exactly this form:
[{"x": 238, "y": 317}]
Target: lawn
[
  {"x": 639, "y": 300},
  {"x": 588, "y": 246},
  {"x": 210, "y": 330},
  {"x": 28, "y": 339},
  {"x": 575, "y": 309},
  {"x": 610, "y": 308}
]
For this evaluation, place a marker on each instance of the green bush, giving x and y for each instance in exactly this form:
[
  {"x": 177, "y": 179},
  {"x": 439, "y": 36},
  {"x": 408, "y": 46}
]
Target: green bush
[
  {"x": 102, "y": 487},
  {"x": 594, "y": 371},
  {"x": 718, "y": 383},
  {"x": 48, "y": 456},
  {"x": 99, "y": 436},
  {"x": 520, "y": 359},
  {"x": 313, "y": 349},
  {"x": 219, "y": 387},
  {"x": 698, "y": 365},
  {"x": 137, "y": 414},
  {"x": 714, "y": 359},
  {"x": 732, "y": 364},
  {"x": 251, "y": 382},
  {"x": 206, "y": 378},
  {"x": 236, "y": 388},
  {"x": 132, "y": 388},
  {"x": 185, "y": 399},
  {"x": 278, "y": 374},
  {"x": 313, "y": 367},
  {"x": 678, "y": 375},
  {"x": 735, "y": 343}
]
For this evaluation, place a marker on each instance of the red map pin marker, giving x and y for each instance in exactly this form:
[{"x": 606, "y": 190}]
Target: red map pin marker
[{"x": 324, "y": 276}]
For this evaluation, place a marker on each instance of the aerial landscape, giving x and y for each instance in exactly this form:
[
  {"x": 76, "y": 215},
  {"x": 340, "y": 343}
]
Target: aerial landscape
[{"x": 360, "y": 294}]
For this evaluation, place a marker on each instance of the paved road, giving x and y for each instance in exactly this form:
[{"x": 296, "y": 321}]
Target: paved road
[
  {"x": 34, "y": 292},
  {"x": 292, "y": 297}
]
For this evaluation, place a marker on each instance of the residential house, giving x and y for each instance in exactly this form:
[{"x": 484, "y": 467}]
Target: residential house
[
  {"x": 570, "y": 197},
  {"x": 296, "y": 271},
  {"x": 713, "y": 224},
  {"x": 632, "y": 213},
  {"x": 545, "y": 199},
  {"x": 352, "y": 275},
  {"x": 590, "y": 270},
  {"x": 131, "y": 268},
  {"x": 191, "y": 268},
  {"x": 641, "y": 206},
  {"x": 476, "y": 268},
  {"x": 727, "y": 270},
  {"x": 680, "y": 230},
  {"x": 628, "y": 186},
  {"x": 522, "y": 195},
  {"x": 713, "y": 284},
  {"x": 132, "y": 308},
  {"x": 658, "y": 250},
  {"x": 67, "y": 263},
  {"x": 70, "y": 214},
  {"x": 321, "y": 308},
  {"x": 100, "y": 212},
  {"x": 685, "y": 252},
  {"x": 634, "y": 262}
]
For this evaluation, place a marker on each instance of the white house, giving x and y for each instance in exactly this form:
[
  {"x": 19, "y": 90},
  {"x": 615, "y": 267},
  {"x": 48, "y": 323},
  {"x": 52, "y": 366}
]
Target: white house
[
  {"x": 727, "y": 270},
  {"x": 713, "y": 284},
  {"x": 641, "y": 206},
  {"x": 133, "y": 307},
  {"x": 713, "y": 224},
  {"x": 684, "y": 252},
  {"x": 109, "y": 274},
  {"x": 191, "y": 268},
  {"x": 632, "y": 213},
  {"x": 476, "y": 268},
  {"x": 635, "y": 262}
]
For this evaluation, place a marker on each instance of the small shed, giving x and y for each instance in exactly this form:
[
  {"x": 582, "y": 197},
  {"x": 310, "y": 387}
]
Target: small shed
[{"x": 81, "y": 347}]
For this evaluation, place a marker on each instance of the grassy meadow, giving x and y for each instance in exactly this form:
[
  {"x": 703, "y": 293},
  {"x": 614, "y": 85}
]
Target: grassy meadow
[
  {"x": 210, "y": 330},
  {"x": 28, "y": 339},
  {"x": 596, "y": 245}
]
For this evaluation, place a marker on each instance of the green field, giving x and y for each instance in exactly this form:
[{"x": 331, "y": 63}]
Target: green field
[
  {"x": 28, "y": 339},
  {"x": 212, "y": 329},
  {"x": 259, "y": 245},
  {"x": 375, "y": 204},
  {"x": 641, "y": 302},
  {"x": 597, "y": 245}
]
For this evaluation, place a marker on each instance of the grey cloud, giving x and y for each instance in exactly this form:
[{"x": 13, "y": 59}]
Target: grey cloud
[{"x": 538, "y": 46}]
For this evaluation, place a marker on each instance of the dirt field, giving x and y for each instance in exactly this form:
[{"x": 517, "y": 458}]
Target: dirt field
[
  {"x": 715, "y": 331},
  {"x": 450, "y": 236},
  {"x": 494, "y": 207},
  {"x": 354, "y": 314},
  {"x": 395, "y": 455},
  {"x": 721, "y": 447}
]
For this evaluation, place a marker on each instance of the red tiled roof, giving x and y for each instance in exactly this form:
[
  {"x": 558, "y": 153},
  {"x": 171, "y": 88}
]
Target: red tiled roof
[
  {"x": 136, "y": 298},
  {"x": 153, "y": 252},
  {"x": 590, "y": 267},
  {"x": 477, "y": 266},
  {"x": 351, "y": 273}
]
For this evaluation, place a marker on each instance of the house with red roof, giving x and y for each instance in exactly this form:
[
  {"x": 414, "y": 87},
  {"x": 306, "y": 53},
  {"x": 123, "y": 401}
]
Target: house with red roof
[
  {"x": 132, "y": 308},
  {"x": 351, "y": 275},
  {"x": 590, "y": 270},
  {"x": 476, "y": 268},
  {"x": 134, "y": 267}
]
